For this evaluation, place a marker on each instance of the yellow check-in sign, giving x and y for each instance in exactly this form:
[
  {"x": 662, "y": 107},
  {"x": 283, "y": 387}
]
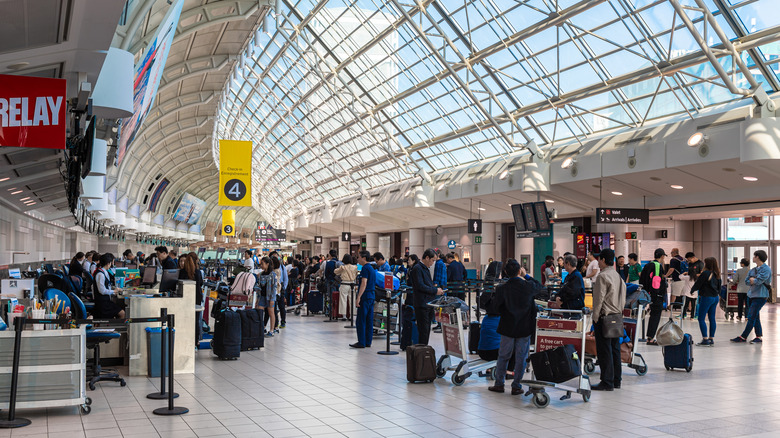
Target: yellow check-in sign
[
  {"x": 235, "y": 173},
  {"x": 229, "y": 223}
]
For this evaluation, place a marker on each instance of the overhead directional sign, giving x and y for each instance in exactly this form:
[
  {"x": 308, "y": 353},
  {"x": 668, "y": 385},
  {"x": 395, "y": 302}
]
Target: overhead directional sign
[
  {"x": 622, "y": 216},
  {"x": 228, "y": 223},
  {"x": 475, "y": 226},
  {"x": 346, "y": 236},
  {"x": 451, "y": 244},
  {"x": 317, "y": 240},
  {"x": 235, "y": 173}
]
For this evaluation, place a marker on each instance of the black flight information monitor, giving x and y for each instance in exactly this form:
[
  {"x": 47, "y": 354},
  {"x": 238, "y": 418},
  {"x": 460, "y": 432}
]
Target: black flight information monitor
[
  {"x": 530, "y": 221},
  {"x": 517, "y": 212},
  {"x": 542, "y": 220}
]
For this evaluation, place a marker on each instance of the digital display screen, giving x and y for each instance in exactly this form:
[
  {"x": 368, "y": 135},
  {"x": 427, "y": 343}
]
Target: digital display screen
[
  {"x": 189, "y": 210},
  {"x": 517, "y": 212},
  {"x": 542, "y": 220},
  {"x": 530, "y": 220}
]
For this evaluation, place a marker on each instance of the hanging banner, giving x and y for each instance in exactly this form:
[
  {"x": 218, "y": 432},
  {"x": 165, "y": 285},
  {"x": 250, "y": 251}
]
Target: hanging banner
[
  {"x": 32, "y": 112},
  {"x": 235, "y": 173},
  {"x": 229, "y": 223}
]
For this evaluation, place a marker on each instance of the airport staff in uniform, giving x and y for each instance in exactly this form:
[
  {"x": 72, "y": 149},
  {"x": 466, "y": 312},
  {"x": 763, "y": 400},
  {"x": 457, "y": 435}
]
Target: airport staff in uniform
[
  {"x": 423, "y": 292},
  {"x": 104, "y": 306},
  {"x": 365, "y": 302}
]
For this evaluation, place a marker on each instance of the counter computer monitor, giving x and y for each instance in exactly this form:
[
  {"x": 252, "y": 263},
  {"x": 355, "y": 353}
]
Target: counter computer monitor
[
  {"x": 149, "y": 276},
  {"x": 131, "y": 266},
  {"x": 169, "y": 280},
  {"x": 14, "y": 273}
]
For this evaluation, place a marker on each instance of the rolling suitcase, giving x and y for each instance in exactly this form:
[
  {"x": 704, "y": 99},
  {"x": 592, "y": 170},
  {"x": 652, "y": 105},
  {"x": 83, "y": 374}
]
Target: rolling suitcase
[
  {"x": 334, "y": 304},
  {"x": 679, "y": 356},
  {"x": 227, "y": 335},
  {"x": 315, "y": 302},
  {"x": 251, "y": 329},
  {"x": 420, "y": 363},
  {"x": 556, "y": 365},
  {"x": 474, "y": 328}
]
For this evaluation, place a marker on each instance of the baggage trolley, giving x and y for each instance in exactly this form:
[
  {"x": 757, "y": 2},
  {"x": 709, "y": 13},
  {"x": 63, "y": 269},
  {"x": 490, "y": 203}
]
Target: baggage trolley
[
  {"x": 554, "y": 330},
  {"x": 729, "y": 303},
  {"x": 450, "y": 315},
  {"x": 630, "y": 324}
]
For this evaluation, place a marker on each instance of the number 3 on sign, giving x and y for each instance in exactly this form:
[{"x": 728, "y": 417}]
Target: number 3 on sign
[{"x": 235, "y": 190}]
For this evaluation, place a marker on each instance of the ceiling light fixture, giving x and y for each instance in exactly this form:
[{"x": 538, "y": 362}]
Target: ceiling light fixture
[
  {"x": 697, "y": 139},
  {"x": 550, "y": 201},
  {"x": 17, "y": 192},
  {"x": 676, "y": 187},
  {"x": 503, "y": 174},
  {"x": 568, "y": 162},
  {"x": 441, "y": 186},
  {"x": 481, "y": 209},
  {"x": 25, "y": 199},
  {"x": 750, "y": 178},
  {"x": 30, "y": 203},
  {"x": 12, "y": 189},
  {"x": 617, "y": 193},
  {"x": 5, "y": 179}
]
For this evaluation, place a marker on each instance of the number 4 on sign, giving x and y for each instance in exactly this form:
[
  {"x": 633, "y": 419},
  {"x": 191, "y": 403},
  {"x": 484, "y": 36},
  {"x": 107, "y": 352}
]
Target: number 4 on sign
[{"x": 235, "y": 191}]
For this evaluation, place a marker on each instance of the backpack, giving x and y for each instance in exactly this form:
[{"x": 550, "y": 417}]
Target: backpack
[
  {"x": 683, "y": 266},
  {"x": 243, "y": 283},
  {"x": 655, "y": 276}
]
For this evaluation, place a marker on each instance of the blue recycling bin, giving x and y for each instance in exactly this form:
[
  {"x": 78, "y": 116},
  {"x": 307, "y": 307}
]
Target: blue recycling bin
[{"x": 153, "y": 351}]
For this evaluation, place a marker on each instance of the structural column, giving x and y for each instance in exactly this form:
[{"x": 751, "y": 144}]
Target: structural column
[
  {"x": 324, "y": 247},
  {"x": 343, "y": 248},
  {"x": 416, "y": 241},
  {"x": 384, "y": 246},
  {"x": 487, "y": 249},
  {"x": 372, "y": 242}
]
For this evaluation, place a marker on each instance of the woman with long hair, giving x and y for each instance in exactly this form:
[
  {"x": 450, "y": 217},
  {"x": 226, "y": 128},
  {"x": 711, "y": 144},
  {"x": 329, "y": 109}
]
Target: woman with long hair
[
  {"x": 188, "y": 270},
  {"x": 76, "y": 267},
  {"x": 708, "y": 286},
  {"x": 267, "y": 298},
  {"x": 104, "y": 306}
]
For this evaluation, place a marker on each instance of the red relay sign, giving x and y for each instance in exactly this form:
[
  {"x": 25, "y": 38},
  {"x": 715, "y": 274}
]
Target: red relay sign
[{"x": 32, "y": 112}]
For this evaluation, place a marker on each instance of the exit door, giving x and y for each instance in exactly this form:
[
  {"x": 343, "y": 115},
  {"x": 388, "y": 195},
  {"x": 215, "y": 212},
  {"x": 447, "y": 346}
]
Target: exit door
[{"x": 734, "y": 252}]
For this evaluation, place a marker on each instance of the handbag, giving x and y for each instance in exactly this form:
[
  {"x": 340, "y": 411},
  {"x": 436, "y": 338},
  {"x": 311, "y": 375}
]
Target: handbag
[
  {"x": 669, "y": 334},
  {"x": 612, "y": 325}
]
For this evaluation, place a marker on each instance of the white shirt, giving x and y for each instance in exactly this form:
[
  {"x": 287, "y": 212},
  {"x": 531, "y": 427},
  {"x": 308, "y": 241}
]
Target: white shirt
[{"x": 593, "y": 268}]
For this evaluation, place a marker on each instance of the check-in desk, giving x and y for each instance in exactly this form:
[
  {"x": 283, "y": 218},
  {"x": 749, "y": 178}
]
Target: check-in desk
[{"x": 144, "y": 306}]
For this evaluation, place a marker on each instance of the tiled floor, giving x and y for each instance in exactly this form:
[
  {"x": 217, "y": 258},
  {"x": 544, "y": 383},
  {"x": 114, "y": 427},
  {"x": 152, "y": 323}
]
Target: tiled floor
[{"x": 308, "y": 382}]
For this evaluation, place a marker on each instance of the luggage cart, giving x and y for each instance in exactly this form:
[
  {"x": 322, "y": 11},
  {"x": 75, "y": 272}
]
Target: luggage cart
[
  {"x": 730, "y": 303},
  {"x": 631, "y": 318},
  {"x": 553, "y": 330},
  {"x": 450, "y": 316}
]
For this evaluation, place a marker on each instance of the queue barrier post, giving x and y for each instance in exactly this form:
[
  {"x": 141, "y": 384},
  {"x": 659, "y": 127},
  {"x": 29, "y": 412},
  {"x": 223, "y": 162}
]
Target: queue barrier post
[
  {"x": 12, "y": 421},
  {"x": 170, "y": 409},
  {"x": 162, "y": 395}
]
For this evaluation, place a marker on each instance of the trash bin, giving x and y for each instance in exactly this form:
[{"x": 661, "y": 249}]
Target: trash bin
[{"x": 153, "y": 351}]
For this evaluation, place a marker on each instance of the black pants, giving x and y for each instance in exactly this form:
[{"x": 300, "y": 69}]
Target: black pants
[
  {"x": 741, "y": 304},
  {"x": 656, "y": 308},
  {"x": 424, "y": 315},
  {"x": 691, "y": 302},
  {"x": 608, "y": 353},
  {"x": 280, "y": 307}
]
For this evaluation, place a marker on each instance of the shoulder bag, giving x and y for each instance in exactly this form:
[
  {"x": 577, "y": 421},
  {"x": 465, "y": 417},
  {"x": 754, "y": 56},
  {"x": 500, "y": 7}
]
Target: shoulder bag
[{"x": 612, "y": 325}]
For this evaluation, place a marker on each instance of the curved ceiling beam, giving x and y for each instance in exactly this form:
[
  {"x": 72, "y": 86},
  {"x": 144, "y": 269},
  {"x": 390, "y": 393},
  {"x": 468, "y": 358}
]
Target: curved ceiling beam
[
  {"x": 191, "y": 68},
  {"x": 205, "y": 16}
]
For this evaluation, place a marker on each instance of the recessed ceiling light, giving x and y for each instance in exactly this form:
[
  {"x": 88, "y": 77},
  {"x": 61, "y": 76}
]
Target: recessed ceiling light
[
  {"x": 17, "y": 192},
  {"x": 550, "y": 201},
  {"x": 481, "y": 209},
  {"x": 5, "y": 179},
  {"x": 30, "y": 203},
  {"x": 12, "y": 189},
  {"x": 676, "y": 187},
  {"x": 503, "y": 174},
  {"x": 697, "y": 140},
  {"x": 25, "y": 199},
  {"x": 617, "y": 193},
  {"x": 750, "y": 178}
]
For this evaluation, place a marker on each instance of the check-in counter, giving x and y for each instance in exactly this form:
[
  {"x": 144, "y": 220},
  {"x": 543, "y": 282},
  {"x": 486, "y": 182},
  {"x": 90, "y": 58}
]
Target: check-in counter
[{"x": 183, "y": 307}]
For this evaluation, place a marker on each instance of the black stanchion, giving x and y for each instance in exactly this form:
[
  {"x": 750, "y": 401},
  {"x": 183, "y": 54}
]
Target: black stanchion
[
  {"x": 351, "y": 307},
  {"x": 162, "y": 395},
  {"x": 400, "y": 319},
  {"x": 12, "y": 421},
  {"x": 388, "y": 331},
  {"x": 170, "y": 409}
]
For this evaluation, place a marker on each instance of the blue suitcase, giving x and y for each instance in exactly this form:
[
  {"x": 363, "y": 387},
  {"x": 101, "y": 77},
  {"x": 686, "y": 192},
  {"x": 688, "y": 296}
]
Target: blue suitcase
[
  {"x": 315, "y": 302},
  {"x": 679, "y": 356}
]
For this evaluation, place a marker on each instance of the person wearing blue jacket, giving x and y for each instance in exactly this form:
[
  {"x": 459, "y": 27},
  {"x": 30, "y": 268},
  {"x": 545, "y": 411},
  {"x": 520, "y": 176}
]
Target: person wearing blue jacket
[
  {"x": 381, "y": 263},
  {"x": 760, "y": 281}
]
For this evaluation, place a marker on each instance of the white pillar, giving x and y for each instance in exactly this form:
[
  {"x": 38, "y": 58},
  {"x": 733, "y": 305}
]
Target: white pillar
[
  {"x": 372, "y": 242},
  {"x": 487, "y": 249},
  {"x": 343, "y": 248},
  {"x": 416, "y": 241},
  {"x": 384, "y": 246},
  {"x": 324, "y": 247}
]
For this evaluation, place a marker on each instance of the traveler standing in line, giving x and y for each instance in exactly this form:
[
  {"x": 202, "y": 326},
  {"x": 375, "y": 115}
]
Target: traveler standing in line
[
  {"x": 281, "y": 284},
  {"x": 439, "y": 275},
  {"x": 674, "y": 272},
  {"x": 738, "y": 279},
  {"x": 695, "y": 267},
  {"x": 348, "y": 273},
  {"x": 493, "y": 270},
  {"x": 622, "y": 268},
  {"x": 424, "y": 291},
  {"x": 364, "y": 321},
  {"x": 188, "y": 271},
  {"x": 248, "y": 263},
  {"x": 609, "y": 298},
  {"x": 514, "y": 301},
  {"x": 708, "y": 287},
  {"x": 549, "y": 270},
  {"x": 381, "y": 263},
  {"x": 267, "y": 299},
  {"x": 634, "y": 268},
  {"x": 164, "y": 258},
  {"x": 593, "y": 266},
  {"x": 559, "y": 268},
  {"x": 571, "y": 296},
  {"x": 456, "y": 275},
  {"x": 654, "y": 282},
  {"x": 760, "y": 281}
]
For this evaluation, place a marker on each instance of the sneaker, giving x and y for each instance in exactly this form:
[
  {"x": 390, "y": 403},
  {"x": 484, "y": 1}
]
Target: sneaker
[
  {"x": 703, "y": 343},
  {"x": 496, "y": 388},
  {"x": 756, "y": 341},
  {"x": 517, "y": 391},
  {"x": 738, "y": 339},
  {"x": 281, "y": 326},
  {"x": 269, "y": 335},
  {"x": 276, "y": 331}
]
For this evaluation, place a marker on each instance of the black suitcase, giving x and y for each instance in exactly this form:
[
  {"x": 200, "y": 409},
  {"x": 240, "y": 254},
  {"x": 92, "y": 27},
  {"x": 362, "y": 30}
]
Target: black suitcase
[
  {"x": 251, "y": 329},
  {"x": 474, "y": 328},
  {"x": 679, "y": 356},
  {"x": 315, "y": 302},
  {"x": 420, "y": 363},
  {"x": 556, "y": 365},
  {"x": 226, "y": 343}
]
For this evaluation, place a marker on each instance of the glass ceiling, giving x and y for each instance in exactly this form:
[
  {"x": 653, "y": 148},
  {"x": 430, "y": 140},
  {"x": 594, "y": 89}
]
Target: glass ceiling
[{"x": 344, "y": 95}]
